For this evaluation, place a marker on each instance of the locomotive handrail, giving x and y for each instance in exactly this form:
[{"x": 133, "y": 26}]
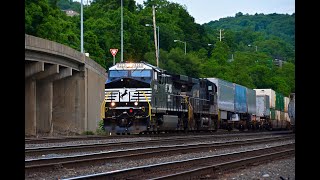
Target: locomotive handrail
[
  {"x": 102, "y": 109},
  {"x": 103, "y": 105},
  {"x": 148, "y": 103},
  {"x": 199, "y": 98},
  {"x": 190, "y": 109}
]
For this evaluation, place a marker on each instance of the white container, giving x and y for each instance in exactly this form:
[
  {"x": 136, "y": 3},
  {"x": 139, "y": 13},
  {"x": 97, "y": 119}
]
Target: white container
[
  {"x": 277, "y": 115},
  {"x": 262, "y": 105},
  {"x": 271, "y": 93},
  {"x": 286, "y": 103},
  {"x": 287, "y": 118}
]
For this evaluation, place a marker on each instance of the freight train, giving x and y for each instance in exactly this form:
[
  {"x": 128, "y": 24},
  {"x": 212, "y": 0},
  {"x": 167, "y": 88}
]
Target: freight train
[{"x": 142, "y": 98}]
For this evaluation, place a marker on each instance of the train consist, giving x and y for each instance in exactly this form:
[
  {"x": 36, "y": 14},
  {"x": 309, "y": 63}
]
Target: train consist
[{"x": 142, "y": 98}]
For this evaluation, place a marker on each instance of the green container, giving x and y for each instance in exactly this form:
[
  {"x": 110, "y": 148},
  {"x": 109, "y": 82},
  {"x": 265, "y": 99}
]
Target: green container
[
  {"x": 279, "y": 102},
  {"x": 272, "y": 113}
]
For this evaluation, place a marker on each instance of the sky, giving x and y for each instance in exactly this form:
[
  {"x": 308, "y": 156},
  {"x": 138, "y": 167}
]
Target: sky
[{"x": 205, "y": 11}]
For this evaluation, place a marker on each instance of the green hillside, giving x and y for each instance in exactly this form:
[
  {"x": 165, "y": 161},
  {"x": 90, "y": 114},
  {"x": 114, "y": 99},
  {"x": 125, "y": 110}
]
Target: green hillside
[{"x": 270, "y": 37}]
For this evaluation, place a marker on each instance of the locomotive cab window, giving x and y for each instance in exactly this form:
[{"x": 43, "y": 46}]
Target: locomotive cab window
[
  {"x": 141, "y": 73},
  {"x": 118, "y": 73}
]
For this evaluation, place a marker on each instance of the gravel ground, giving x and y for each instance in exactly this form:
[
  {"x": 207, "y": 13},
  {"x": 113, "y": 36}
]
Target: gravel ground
[
  {"x": 262, "y": 170},
  {"x": 279, "y": 169},
  {"x": 214, "y": 140}
]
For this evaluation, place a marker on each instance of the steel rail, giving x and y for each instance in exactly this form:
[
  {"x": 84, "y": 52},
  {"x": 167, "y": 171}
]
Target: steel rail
[
  {"x": 194, "y": 165},
  {"x": 146, "y": 152}
]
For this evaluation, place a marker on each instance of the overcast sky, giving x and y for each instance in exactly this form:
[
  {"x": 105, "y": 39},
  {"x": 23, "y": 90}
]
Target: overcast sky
[{"x": 205, "y": 11}]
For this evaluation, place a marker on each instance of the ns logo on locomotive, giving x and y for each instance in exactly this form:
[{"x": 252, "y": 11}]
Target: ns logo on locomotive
[{"x": 142, "y": 98}]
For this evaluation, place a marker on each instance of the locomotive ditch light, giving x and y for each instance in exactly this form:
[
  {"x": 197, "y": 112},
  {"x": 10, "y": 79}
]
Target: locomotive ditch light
[
  {"x": 136, "y": 103},
  {"x": 113, "y": 104}
]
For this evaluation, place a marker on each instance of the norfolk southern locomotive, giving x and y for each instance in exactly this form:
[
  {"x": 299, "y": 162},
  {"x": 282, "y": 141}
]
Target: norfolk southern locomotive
[{"x": 142, "y": 98}]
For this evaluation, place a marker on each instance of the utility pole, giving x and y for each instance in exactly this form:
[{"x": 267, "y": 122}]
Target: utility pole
[
  {"x": 155, "y": 34},
  {"x": 158, "y": 43},
  {"x": 81, "y": 26},
  {"x": 220, "y": 36},
  {"x": 121, "y": 31}
]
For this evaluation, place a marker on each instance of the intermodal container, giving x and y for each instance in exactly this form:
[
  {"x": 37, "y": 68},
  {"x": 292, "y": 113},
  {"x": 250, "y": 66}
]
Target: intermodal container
[
  {"x": 282, "y": 116},
  {"x": 291, "y": 108},
  {"x": 279, "y": 102},
  {"x": 240, "y": 97},
  {"x": 271, "y": 93},
  {"x": 286, "y": 103},
  {"x": 286, "y": 117},
  {"x": 251, "y": 101},
  {"x": 272, "y": 114},
  {"x": 277, "y": 112},
  {"x": 225, "y": 93},
  {"x": 262, "y": 105}
]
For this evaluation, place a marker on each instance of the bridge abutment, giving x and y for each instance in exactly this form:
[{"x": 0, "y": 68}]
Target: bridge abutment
[{"x": 63, "y": 89}]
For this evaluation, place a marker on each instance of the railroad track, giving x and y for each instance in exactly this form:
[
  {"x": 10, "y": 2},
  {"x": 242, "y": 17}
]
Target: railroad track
[
  {"x": 137, "y": 153},
  {"x": 45, "y": 140},
  {"x": 198, "y": 167},
  {"x": 107, "y": 146}
]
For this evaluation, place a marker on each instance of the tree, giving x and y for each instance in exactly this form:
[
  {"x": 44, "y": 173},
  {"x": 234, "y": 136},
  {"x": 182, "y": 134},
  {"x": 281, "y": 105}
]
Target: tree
[{"x": 273, "y": 34}]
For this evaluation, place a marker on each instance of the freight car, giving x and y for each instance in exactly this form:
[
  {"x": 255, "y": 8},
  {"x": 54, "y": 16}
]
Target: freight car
[
  {"x": 272, "y": 109},
  {"x": 142, "y": 98},
  {"x": 291, "y": 111},
  {"x": 236, "y": 105}
]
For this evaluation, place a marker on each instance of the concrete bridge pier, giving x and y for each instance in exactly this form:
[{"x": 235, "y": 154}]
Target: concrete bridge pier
[
  {"x": 44, "y": 95},
  {"x": 30, "y": 107},
  {"x": 69, "y": 104}
]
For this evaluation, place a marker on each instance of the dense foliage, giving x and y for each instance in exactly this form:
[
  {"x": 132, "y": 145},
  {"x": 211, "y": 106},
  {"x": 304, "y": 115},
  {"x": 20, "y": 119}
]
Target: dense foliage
[{"x": 270, "y": 37}]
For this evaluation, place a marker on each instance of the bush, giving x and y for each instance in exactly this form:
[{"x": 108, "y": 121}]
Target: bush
[
  {"x": 100, "y": 130},
  {"x": 100, "y": 125}
]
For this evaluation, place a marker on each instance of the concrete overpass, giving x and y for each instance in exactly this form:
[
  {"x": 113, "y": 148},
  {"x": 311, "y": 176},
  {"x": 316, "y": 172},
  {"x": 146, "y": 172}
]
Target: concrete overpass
[{"x": 63, "y": 89}]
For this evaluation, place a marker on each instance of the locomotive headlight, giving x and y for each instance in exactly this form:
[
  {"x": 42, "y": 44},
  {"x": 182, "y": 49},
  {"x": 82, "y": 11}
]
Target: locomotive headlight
[
  {"x": 129, "y": 65},
  {"x": 136, "y": 103},
  {"x": 113, "y": 104}
]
